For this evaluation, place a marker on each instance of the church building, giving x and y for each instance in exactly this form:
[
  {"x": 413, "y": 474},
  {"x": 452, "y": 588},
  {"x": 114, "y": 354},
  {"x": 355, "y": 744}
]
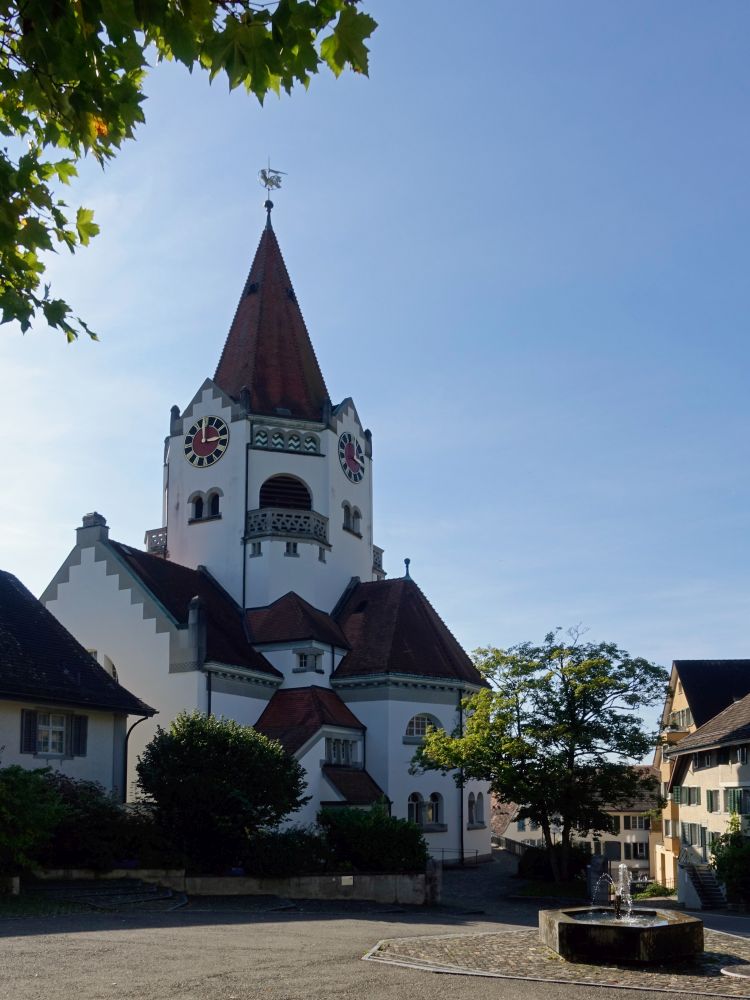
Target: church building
[{"x": 262, "y": 596}]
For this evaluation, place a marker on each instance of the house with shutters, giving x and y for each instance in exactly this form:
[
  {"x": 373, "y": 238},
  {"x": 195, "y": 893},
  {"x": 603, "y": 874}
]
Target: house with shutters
[
  {"x": 262, "y": 595},
  {"x": 59, "y": 707},
  {"x": 702, "y": 693}
]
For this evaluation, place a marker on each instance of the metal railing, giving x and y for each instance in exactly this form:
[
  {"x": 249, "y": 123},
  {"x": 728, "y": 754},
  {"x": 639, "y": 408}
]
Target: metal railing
[{"x": 450, "y": 858}]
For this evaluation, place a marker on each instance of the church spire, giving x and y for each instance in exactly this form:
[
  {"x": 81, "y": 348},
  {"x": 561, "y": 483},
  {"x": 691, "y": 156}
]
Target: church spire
[{"x": 268, "y": 349}]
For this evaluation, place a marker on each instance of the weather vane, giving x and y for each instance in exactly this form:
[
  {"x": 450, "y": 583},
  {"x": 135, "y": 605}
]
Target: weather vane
[{"x": 270, "y": 179}]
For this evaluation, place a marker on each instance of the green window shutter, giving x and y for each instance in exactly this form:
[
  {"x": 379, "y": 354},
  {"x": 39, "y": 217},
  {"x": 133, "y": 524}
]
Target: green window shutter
[
  {"x": 698, "y": 796},
  {"x": 80, "y": 731},
  {"x": 628, "y": 852},
  {"x": 28, "y": 730},
  {"x": 676, "y": 794},
  {"x": 709, "y": 801},
  {"x": 626, "y": 822}
]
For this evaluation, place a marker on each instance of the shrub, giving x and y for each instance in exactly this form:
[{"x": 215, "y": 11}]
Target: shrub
[
  {"x": 373, "y": 841},
  {"x": 30, "y": 809},
  {"x": 655, "y": 889},
  {"x": 731, "y": 858},
  {"x": 214, "y": 783},
  {"x": 535, "y": 864},
  {"x": 91, "y": 832},
  {"x": 285, "y": 853}
]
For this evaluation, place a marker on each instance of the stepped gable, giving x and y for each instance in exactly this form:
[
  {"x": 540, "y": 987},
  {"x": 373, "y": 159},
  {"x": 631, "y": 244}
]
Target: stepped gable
[
  {"x": 293, "y": 715},
  {"x": 268, "y": 349},
  {"x": 356, "y": 785},
  {"x": 174, "y": 586},
  {"x": 711, "y": 685},
  {"x": 40, "y": 659},
  {"x": 393, "y": 629},
  {"x": 291, "y": 618},
  {"x": 730, "y": 726}
]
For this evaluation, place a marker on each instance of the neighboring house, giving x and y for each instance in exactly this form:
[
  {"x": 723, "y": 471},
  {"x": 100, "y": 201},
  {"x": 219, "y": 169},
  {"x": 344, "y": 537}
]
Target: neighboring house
[
  {"x": 58, "y": 707},
  {"x": 699, "y": 690},
  {"x": 710, "y": 780},
  {"x": 628, "y": 843},
  {"x": 262, "y": 596}
]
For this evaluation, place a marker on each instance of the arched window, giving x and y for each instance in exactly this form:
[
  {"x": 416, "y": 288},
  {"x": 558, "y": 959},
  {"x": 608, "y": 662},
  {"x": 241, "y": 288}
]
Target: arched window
[
  {"x": 347, "y": 516},
  {"x": 433, "y": 811},
  {"x": 472, "y": 809},
  {"x": 213, "y": 505},
  {"x": 415, "y": 806},
  {"x": 417, "y": 727},
  {"x": 285, "y": 491},
  {"x": 197, "y": 507},
  {"x": 479, "y": 809},
  {"x": 356, "y": 521}
]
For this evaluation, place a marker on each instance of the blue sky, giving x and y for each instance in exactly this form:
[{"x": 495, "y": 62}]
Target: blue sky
[{"x": 521, "y": 246}]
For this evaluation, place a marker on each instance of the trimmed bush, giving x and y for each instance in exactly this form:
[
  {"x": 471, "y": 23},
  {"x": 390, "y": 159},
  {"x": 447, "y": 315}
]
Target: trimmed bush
[
  {"x": 286, "y": 853},
  {"x": 30, "y": 809},
  {"x": 373, "y": 841}
]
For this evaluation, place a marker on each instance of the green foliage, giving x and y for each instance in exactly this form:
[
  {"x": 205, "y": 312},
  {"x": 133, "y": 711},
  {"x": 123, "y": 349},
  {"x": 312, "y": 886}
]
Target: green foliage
[
  {"x": 731, "y": 859},
  {"x": 30, "y": 809},
  {"x": 373, "y": 841},
  {"x": 557, "y": 731},
  {"x": 538, "y": 864},
  {"x": 286, "y": 853},
  {"x": 214, "y": 783},
  {"x": 72, "y": 80},
  {"x": 654, "y": 890},
  {"x": 90, "y": 834}
]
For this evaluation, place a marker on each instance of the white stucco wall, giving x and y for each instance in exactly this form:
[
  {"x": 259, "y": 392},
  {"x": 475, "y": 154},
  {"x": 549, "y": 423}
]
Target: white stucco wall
[{"x": 103, "y": 759}]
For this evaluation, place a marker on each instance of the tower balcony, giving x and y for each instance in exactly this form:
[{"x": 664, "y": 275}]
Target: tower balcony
[
  {"x": 156, "y": 542},
  {"x": 284, "y": 522}
]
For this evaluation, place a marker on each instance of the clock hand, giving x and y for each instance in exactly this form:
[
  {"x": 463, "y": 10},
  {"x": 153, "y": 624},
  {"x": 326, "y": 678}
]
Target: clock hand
[{"x": 203, "y": 438}]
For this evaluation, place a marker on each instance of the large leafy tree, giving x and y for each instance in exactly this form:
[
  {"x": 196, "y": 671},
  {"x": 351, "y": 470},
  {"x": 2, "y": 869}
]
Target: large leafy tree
[
  {"x": 72, "y": 75},
  {"x": 214, "y": 783},
  {"x": 557, "y": 731}
]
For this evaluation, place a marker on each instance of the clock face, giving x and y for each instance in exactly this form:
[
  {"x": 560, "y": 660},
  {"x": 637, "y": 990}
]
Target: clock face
[
  {"x": 352, "y": 457},
  {"x": 206, "y": 442}
]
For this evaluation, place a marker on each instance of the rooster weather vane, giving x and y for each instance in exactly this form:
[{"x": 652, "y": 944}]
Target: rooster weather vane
[{"x": 270, "y": 179}]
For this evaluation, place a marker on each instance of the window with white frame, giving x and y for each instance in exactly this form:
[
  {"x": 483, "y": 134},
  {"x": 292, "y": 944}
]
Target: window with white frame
[
  {"x": 53, "y": 733},
  {"x": 635, "y": 852},
  {"x": 740, "y": 755},
  {"x": 703, "y": 758},
  {"x": 417, "y": 726},
  {"x": 737, "y": 800},
  {"x": 291, "y": 549},
  {"x": 636, "y": 822},
  {"x": 713, "y": 800},
  {"x": 308, "y": 661},
  {"x": 342, "y": 753}
]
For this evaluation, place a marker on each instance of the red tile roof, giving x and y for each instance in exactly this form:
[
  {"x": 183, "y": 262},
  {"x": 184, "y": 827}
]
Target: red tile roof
[
  {"x": 174, "y": 586},
  {"x": 268, "y": 348},
  {"x": 41, "y": 661},
  {"x": 293, "y": 715},
  {"x": 356, "y": 785},
  {"x": 393, "y": 629},
  {"x": 291, "y": 618}
]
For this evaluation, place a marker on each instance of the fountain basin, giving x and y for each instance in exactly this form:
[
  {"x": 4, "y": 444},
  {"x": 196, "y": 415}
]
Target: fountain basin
[{"x": 592, "y": 934}]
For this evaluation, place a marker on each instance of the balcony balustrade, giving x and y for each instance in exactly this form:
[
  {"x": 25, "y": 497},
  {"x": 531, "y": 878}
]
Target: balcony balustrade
[
  {"x": 156, "y": 542},
  {"x": 287, "y": 523}
]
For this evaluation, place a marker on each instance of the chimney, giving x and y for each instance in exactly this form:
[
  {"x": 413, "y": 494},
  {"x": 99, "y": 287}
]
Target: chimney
[
  {"x": 93, "y": 529},
  {"x": 197, "y": 631}
]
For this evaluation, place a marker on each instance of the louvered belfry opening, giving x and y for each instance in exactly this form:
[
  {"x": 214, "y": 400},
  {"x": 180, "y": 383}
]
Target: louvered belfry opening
[{"x": 285, "y": 491}]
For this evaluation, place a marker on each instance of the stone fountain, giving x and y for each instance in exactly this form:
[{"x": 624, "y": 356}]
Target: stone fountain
[{"x": 620, "y": 933}]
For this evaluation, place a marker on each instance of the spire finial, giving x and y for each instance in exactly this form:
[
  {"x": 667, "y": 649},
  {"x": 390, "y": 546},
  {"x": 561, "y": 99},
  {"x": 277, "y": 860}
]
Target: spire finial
[
  {"x": 270, "y": 179},
  {"x": 406, "y": 574}
]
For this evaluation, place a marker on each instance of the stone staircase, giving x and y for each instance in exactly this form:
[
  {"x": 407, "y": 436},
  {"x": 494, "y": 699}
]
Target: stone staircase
[
  {"x": 116, "y": 894},
  {"x": 705, "y": 883}
]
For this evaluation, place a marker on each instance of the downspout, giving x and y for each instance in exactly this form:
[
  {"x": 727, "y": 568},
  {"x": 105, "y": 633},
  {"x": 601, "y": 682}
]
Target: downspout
[
  {"x": 125, "y": 757},
  {"x": 244, "y": 528},
  {"x": 208, "y": 693},
  {"x": 461, "y": 782}
]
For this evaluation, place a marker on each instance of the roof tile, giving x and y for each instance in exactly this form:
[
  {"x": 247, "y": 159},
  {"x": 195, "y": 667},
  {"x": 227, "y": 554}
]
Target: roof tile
[
  {"x": 291, "y": 618},
  {"x": 293, "y": 715}
]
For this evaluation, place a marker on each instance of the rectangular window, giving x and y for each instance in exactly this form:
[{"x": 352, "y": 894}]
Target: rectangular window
[
  {"x": 54, "y": 733},
  {"x": 640, "y": 851},
  {"x": 667, "y": 827},
  {"x": 615, "y": 824},
  {"x": 291, "y": 549},
  {"x": 321, "y": 554},
  {"x": 626, "y": 822},
  {"x": 713, "y": 800},
  {"x": 737, "y": 800},
  {"x": 628, "y": 849},
  {"x": 676, "y": 794},
  {"x": 701, "y": 760},
  {"x": 256, "y": 549},
  {"x": 597, "y": 847},
  {"x": 341, "y": 752},
  {"x": 741, "y": 755},
  {"x": 521, "y": 825}
]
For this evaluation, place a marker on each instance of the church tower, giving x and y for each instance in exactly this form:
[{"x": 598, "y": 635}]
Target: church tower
[{"x": 267, "y": 484}]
